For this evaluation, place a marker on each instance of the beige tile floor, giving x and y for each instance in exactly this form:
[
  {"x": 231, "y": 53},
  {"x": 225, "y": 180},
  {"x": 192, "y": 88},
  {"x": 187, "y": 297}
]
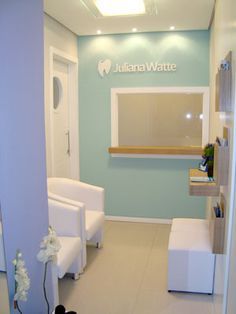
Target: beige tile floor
[
  {"x": 129, "y": 276},
  {"x": 4, "y": 303}
]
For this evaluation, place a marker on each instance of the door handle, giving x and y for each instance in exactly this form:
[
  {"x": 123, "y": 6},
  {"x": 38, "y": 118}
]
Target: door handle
[{"x": 68, "y": 142}]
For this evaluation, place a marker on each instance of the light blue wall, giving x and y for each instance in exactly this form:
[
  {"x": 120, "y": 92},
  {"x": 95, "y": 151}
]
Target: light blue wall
[
  {"x": 23, "y": 191},
  {"x": 137, "y": 187}
]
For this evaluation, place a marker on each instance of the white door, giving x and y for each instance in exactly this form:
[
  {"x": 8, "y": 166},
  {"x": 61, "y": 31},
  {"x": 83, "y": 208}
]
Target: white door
[{"x": 60, "y": 125}]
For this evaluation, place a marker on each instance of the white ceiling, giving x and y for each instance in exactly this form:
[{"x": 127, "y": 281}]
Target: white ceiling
[{"x": 183, "y": 14}]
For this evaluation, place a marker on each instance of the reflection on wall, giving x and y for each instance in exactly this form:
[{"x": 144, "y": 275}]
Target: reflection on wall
[{"x": 160, "y": 119}]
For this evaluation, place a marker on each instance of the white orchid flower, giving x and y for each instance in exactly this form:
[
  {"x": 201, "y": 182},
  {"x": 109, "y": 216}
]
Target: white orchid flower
[
  {"x": 49, "y": 247},
  {"x": 21, "y": 278}
]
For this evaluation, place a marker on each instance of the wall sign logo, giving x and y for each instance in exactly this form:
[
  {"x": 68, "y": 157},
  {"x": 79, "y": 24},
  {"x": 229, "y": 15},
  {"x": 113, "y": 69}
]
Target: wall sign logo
[{"x": 105, "y": 66}]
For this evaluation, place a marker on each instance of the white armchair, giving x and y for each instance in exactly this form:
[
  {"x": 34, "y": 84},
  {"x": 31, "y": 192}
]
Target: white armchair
[
  {"x": 65, "y": 220},
  {"x": 90, "y": 200}
]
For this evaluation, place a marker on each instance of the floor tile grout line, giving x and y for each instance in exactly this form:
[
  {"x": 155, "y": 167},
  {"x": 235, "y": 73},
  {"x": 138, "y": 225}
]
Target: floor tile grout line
[
  {"x": 145, "y": 270},
  {"x": 142, "y": 296}
]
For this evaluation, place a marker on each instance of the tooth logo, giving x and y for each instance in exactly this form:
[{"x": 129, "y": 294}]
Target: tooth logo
[{"x": 104, "y": 66}]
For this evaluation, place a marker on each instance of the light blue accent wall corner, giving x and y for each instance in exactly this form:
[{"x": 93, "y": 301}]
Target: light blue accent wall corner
[{"x": 152, "y": 188}]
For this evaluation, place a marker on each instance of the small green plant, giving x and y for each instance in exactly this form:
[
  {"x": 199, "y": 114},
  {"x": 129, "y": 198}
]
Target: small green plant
[{"x": 208, "y": 156}]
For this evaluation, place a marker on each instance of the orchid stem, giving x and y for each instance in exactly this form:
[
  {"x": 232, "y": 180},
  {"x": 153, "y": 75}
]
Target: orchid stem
[
  {"x": 44, "y": 287},
  {"x": 17, "y": 307}
]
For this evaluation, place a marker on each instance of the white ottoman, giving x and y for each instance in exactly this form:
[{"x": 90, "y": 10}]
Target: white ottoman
[{"x": 190, "y": 262}]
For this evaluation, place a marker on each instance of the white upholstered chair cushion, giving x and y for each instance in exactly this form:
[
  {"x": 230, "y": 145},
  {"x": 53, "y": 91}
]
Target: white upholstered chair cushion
[
  {"x": 70, "y": 249},
  {"x": 91, "y": 195},
  {"x": 88, "y": 198},
  {"x": 66, "y": 220},
  {"x": 94, "y": 220}
]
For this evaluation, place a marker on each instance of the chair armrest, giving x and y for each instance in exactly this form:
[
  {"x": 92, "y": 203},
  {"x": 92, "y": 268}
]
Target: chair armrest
[
  {"x": 65, "y": 219},
  {"x": 91, "y": 195},
  {"x": 65, "y": 200}
]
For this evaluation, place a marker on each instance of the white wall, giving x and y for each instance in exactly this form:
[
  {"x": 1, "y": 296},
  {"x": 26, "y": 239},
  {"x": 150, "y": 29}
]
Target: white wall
[
  {"x": 57, "y": 36},
  {"x": 223, "y": 39}
]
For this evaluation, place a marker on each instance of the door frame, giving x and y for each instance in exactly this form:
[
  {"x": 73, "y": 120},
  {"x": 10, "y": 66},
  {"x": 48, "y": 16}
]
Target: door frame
[{"x": 72, "y": 63}]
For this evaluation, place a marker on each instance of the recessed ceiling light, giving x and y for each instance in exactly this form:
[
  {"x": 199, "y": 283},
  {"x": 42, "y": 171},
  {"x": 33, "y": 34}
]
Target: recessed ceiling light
[
  {"x": 107, "y": 8},
  {"x": 172, "y": 28},
  {"x": 188, "y": 116},
  {"x": 134, "y": 29},
  {"x": 99, "y": 31},
  {"x": 120, "y": 7}
]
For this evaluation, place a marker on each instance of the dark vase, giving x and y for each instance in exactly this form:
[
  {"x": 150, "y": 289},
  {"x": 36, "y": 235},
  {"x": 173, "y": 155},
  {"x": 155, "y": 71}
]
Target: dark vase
[
  {"x": 210, "y": 171},
  {"x": 60, "y": 309}
]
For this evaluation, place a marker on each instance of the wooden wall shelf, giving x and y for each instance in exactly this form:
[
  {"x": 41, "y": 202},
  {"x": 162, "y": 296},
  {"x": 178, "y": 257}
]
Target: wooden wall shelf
[
  {"x": 158, "y": 150},
  {"x": 223, "y": 95},
  {"x": 202, "y": 188},
  {"x": 217, "y": 229},
  {"x": 221, "y": 164}
]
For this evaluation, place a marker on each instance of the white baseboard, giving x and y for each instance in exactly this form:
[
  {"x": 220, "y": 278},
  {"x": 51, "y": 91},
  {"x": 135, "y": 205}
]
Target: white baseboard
[{"x": 139, "y": 219}]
